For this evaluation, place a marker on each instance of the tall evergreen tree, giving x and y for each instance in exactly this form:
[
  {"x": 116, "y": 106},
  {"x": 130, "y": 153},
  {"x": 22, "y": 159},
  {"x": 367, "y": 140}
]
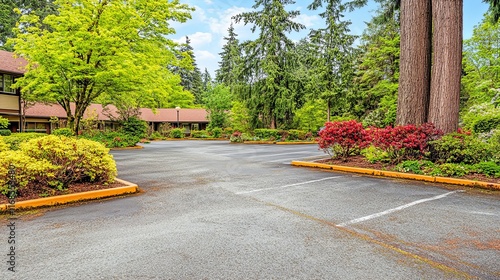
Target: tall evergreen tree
[
  {"x": 267, "y": 61},
  {"x": 230, "y": 58},
  {"x": 376, "y": 82},
  {"x": 333, "y": 66},
  {"x": 191, "y": 76},
  {"x": 206, "y": 80}
]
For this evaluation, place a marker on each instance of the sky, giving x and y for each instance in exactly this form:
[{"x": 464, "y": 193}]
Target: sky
[{"x": 212, "y": 18}]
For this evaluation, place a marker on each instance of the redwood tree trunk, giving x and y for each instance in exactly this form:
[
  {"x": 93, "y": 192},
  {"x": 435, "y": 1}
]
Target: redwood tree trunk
[
  {"x": 415, "y": 61},
  {"x": 447, "y": 62}
]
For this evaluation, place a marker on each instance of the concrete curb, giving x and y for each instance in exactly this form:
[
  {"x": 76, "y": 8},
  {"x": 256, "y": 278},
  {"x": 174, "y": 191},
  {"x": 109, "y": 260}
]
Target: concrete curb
[
  {"x": 399, "y": 175},
  {"x": 259, "y": 142},
  {"x": 296, "y": 143},
  {"x": 74, "y": 197},
  {"x": 136, "y": 147}
]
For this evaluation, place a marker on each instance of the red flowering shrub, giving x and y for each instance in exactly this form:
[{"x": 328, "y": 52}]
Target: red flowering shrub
[
  {"x": 405, "y": 142},
  {"x": 342, "y": 139}
]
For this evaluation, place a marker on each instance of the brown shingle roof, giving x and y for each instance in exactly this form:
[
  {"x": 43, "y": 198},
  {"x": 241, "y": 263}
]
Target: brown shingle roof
[
  {"x": 162, "y": 115},
  {"x": 11, "y": 64}
]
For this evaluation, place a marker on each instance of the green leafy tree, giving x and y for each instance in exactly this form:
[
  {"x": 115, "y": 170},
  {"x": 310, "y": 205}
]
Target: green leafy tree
[
  {"x": 266, "y": 62},
  {"x": 239, "y": 117},
  {"x": 311, "y": 116},
  {"x": 8, "y": 17},
  {"x": 481, "y": 79},
  {"x": 217, "y": 101},
  {"x": 114, "y": 48},
  {"x": 333, "y": 67}
]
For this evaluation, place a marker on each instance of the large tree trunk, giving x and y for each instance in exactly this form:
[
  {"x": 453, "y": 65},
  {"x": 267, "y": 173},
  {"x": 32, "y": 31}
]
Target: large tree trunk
[
  {"x": 447, "y": 62},
  {"x": 415, "y": 61}
]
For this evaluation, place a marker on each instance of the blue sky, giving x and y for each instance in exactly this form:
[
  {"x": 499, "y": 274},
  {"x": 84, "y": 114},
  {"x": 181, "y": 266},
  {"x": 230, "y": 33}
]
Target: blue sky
[{"x": 212, "y": 18}]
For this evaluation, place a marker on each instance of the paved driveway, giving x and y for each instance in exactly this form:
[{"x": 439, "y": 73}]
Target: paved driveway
[{"x": 213, "y": 210}]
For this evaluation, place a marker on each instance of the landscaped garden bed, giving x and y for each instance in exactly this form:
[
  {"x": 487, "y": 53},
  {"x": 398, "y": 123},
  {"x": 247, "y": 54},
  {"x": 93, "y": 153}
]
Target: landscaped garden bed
[
  {"x": 43, "y": 166},
  {"x": 420, "y": 150}
]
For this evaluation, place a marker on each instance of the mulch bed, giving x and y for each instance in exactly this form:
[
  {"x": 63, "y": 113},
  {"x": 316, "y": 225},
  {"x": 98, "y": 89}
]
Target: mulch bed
[
  {"x": 32, "y": 193},
  {"x": 361, "y": 162}
]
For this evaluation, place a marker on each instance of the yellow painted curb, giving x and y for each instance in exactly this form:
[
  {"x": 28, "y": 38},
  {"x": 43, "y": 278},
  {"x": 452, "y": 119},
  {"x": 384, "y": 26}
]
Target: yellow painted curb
[
  {"x": 259, "y": 142},
  {"x": 136, "y": 147},
  {"x": 296, "y": 143},
  {"x": 400, "y": 175},
  {"x": 74, "y": 197}
]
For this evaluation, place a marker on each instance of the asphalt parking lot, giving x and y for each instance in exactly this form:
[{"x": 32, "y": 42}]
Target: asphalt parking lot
[{"x": 213, "y": 210}]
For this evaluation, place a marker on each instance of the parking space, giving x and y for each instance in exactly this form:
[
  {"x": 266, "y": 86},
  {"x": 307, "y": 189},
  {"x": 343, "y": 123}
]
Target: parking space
[{"x": 222, "y": 211}]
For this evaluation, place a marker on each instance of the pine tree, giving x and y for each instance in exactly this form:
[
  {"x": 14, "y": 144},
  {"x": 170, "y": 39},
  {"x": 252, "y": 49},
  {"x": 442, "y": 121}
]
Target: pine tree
[
  {"x": 230, "y": 58},
  {"x": 191, "y": 76},
  {"x": 267, "y": 61},
  {"x": 333, "y": 66}
]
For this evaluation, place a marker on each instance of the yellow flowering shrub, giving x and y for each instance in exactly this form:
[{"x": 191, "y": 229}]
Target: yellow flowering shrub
[
  {"x": 78, "y": 160},
  {"x": 3, "y": 146},
  {"x": 28, "y": 171}
]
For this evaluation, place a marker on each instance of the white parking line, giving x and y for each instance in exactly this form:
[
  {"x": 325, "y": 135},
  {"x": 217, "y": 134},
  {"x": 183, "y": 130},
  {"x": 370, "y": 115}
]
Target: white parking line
[
  {"x": 380, "y": 214},
  {"x": 287, "y": 186}
]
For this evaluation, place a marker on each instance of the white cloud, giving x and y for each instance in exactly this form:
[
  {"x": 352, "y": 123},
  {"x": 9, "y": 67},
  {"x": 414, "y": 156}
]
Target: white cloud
[
  {"x": 199, "y": 39},
  {"x": 208, "y": 2},
  {"x": 206, "y": 59},
  {"x": 308, "y": 21}
]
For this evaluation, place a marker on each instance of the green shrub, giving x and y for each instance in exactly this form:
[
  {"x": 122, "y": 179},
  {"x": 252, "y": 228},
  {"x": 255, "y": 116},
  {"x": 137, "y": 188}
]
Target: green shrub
[
  {"x": 486, "y": 123},
  {"x": 199, "y": 134},
  {"x": 29, "y": 171},
  {"x": 228, "y": 131},
  {"x": 16, "y": 139},
  {"x": 63, "y": 132},
  {"x": 5, "y": 132},
  {"x": 488, "y": 168},
  {"x": 77, "y": 160},
  {"x": 135, "y": 127},
  {"x": 415, "y": 166},
  {"x": 295, "y": 134},
  {"x": 177, "y": 133},
  {"x": 374, "y": 154},
  {"x": 451, "y": 170},
  {"x": 215, "y": 132},
  {"x": 112, "y": 139},
  {"x": 265, "y": 133},
  {"x": 236, "y": 137},
  {"x": 459, "y": 148},
  {"x": 494, "y": 143},
  {"x": 156, "y": 136},
  {"x": 4, "y": 123}
]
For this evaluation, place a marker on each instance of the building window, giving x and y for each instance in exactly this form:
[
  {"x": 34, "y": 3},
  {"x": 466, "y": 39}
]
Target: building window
[{"x": 6, "y": 82}]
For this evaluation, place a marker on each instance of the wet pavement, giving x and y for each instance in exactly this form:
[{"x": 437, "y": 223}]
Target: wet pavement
[{"x": 213, "y": 210}]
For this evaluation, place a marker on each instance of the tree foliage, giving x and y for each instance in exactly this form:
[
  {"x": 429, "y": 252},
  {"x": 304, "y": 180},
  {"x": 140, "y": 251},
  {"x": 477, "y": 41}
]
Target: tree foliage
[
  {"x": 266, "y": 62},
  {"x": 102, "y": 48},
  {"x": 8, "y": 17},
  {"x": 217, "y": 101}
]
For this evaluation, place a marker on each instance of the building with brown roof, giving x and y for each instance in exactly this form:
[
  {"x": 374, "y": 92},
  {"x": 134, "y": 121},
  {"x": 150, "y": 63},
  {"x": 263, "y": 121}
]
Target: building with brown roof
[
  {"x": 11, "y": 68},
  {"x": 41, "y": 117}
]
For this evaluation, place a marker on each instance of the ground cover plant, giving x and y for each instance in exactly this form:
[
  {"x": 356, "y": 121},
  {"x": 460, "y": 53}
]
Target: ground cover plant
[{"x": 415, "y": 149}]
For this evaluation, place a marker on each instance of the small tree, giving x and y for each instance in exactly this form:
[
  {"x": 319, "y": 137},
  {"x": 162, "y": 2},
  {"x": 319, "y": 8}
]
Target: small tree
[{"x": 218, "y": 103}]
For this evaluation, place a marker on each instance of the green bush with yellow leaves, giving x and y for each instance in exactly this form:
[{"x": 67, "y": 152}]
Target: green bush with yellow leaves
[{"x": 56, "y": 162}]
